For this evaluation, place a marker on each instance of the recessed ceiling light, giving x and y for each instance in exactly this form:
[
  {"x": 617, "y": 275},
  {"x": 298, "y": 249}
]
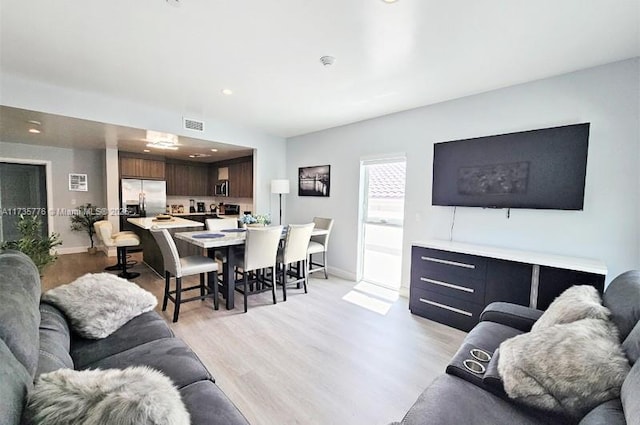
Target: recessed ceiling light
[
  {"x": 34, "y": 131},
  {"x": 389, "y": 1},
  {"x": 34, "y": 122},
  {"x": 227, "y": 92},
  {"x": 214, "y": 150},
  {"x": 146, "y": 150}
]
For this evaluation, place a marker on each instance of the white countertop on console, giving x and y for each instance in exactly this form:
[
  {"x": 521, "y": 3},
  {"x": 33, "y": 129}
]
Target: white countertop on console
[
  {"x": 587, "y": 265},
  {"x": 175, "y": 223}
]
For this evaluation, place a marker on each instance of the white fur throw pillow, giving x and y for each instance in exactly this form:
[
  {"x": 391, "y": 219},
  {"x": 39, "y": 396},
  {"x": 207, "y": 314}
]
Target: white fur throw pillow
[
  {"x": 568, "y": 368},
  {"x": 132, "y": 396},
  {"x": 577, "y": 302},
  {"x": 99, "y": 304}
]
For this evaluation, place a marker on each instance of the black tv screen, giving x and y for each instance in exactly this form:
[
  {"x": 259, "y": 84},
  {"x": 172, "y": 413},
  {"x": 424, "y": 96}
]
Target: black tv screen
[{"x": 540, "y": 169}]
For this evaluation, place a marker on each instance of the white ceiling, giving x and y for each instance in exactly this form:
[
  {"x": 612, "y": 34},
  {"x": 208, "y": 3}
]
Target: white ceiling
[{"x": 389, "y": 57}]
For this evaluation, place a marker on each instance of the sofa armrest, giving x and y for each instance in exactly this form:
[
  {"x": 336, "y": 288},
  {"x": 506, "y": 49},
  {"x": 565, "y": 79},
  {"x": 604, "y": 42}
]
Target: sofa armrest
[{"x": 513, "y": 315}]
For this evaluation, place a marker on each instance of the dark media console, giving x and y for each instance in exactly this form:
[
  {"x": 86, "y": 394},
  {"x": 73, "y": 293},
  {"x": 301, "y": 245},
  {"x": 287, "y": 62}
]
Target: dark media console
[{"x": 452, "y": 282}]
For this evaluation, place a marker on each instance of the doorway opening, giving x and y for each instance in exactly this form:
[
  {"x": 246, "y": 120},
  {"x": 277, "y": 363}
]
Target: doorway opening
[
  {"x": 381, "y": 221},
  {"x": 23, "y": 191}
]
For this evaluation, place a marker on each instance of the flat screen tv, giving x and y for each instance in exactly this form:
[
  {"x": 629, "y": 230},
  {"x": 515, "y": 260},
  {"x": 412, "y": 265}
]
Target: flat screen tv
[{"x": 538, "y": 169}]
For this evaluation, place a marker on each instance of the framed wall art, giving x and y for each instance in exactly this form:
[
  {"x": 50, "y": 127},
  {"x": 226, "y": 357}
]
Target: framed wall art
[{"x": 314, "y": 181}]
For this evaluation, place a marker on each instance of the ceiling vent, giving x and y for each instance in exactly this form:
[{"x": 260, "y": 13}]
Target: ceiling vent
[{"x": 195, "y": 125}]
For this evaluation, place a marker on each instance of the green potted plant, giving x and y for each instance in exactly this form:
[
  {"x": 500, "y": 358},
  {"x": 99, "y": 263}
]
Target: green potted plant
[
  {"x": 83, "y": 219},
  {"x": 31, "y": 242}
]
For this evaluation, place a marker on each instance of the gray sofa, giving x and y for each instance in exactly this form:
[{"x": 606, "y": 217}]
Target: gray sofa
[
  {"x": 459, "y": 397},
  {"x": 35, "y": 338}
]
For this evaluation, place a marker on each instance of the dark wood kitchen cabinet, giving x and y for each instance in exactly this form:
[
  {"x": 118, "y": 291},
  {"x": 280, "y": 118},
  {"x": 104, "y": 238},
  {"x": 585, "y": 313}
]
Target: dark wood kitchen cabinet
[
  {"x": 452, "y": 283},
  {"x": 241, "y": 179},
  {"x": 185, "y": 179},
  {"x": 139, "y": 168}
]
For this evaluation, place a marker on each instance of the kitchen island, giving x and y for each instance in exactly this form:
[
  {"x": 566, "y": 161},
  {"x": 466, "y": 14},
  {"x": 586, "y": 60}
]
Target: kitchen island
[{"x": 151, "y": 254}]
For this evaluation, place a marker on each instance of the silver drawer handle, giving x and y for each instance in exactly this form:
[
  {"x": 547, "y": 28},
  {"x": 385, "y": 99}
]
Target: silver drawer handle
[
  {"x": 448, "y": 285},
  {"x": 446, "y": 307},
  {"x": 449, "y": 263}
]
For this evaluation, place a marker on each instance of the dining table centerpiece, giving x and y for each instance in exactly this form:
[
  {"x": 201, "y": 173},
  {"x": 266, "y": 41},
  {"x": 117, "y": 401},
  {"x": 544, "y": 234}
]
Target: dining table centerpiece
[{"x": 259, "y": 220}]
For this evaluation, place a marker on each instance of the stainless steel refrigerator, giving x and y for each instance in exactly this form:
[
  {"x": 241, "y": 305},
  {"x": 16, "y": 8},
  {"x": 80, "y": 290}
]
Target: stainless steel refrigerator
[{"x": 148, "y": 197}]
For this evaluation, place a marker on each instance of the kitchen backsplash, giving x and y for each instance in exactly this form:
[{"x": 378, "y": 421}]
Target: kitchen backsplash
[{"x": 246, "y": 204}]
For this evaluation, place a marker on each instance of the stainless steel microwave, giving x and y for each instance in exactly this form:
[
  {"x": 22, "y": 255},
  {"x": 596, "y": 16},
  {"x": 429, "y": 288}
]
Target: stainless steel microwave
[{"x": 221, "y": 188}]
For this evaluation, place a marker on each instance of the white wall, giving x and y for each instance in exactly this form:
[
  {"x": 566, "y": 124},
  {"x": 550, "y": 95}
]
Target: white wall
[
  {"x": 269, "y": 160},
  {"x": 63, "y": 162},
  {"x": 607, "y": 96}
]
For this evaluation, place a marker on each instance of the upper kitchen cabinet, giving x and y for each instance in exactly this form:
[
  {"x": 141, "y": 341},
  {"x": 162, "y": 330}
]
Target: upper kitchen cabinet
[
  {"x": 142, "y": 168},
  {"x": 239, "y": 173},
  {"x": 187, "y": 179},
  {"x": 241, "y": 179}
]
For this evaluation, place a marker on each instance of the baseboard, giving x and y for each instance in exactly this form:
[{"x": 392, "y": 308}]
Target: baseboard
[
  {"x": 71, "y": 250},
  {"x": 109, "y": 252},
  {"x": 342, "y": 274},
  {"x": 404, "y": 292}
]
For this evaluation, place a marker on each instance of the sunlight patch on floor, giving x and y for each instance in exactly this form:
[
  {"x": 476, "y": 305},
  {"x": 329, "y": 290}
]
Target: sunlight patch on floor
[{"x": 372, "y": 297}]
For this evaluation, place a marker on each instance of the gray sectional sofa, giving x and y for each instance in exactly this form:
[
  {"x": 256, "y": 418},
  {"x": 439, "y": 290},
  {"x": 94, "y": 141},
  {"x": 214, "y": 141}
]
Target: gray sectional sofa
[
  {"x": 459, "y": 398},
  {"x": 35, "y": 338}
]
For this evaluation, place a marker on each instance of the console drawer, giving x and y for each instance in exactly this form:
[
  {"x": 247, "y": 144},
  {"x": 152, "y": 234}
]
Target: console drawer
[
  {"x": 447, "y": 310},
  {"x": 471, "y": 290},
  {"x": 447, "y": 265}
]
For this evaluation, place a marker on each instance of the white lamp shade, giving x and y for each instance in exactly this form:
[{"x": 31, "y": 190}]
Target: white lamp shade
[{"x": 279, "y": 186}]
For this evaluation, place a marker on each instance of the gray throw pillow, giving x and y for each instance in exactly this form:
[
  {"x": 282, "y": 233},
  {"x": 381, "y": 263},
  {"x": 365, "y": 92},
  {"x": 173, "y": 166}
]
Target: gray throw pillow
[
  {"x": 132, "y": 396},
  {"x": 568, "y": 368},
  {"x": 99, "y": 304},
  {"x": 576, "y": 303}
]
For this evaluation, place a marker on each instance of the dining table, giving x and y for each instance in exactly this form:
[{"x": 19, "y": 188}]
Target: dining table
[{"x": 231, "y": 243}]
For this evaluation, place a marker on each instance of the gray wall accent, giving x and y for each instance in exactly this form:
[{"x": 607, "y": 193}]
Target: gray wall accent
[
  {"x": 63, "y": 162},
  {"x": 608, "y": 96}
]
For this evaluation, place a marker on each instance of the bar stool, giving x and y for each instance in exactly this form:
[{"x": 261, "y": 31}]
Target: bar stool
[
  {"x": 120, "y": 240},
  {"x": 118, "y": 265}
]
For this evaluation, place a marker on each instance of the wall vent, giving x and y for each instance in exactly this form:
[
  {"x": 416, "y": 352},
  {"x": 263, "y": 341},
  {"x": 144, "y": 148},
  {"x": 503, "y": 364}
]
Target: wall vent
[{"x": 191, "y": 124}]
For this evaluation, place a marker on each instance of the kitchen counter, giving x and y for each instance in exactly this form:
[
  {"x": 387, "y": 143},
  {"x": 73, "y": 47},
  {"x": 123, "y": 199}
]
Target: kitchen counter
[
  {"x": 204, "y": 213},
  {"x": 177, "y": 222},
  {"x": 151, "y": 254}
]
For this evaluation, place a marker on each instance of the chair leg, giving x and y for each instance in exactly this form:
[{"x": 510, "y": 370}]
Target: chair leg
[
  {"x": 176, "y": 310},
  {"x": 305, "y": 275},
  {"x": 202, "y": 285},
  {"x": 167, "y": 281},
  {"x": 324, "y": 262},
  {"x": 244, "y": 289},
  {"x": 213, "y": 278},
  {"x": 273, "y": 284},
  {"x": 284, "y": 282}
]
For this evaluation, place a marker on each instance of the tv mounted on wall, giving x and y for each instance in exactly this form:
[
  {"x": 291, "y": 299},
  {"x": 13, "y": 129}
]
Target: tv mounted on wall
[{"x": 538, "y": 169}]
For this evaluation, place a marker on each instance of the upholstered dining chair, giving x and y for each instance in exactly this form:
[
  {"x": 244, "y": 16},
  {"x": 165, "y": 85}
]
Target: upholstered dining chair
[
  {"x": 179, "y": 267},
  {"x": 121, "y": 241},
  {"x": 319, "y": 245},
  {"x": 294, "y": 251},
  {"x": 260, "y": 249}
]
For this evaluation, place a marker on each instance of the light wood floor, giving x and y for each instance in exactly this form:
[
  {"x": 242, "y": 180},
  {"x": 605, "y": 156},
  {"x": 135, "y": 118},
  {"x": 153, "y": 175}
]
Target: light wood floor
[{"x": 315, "y": 359}]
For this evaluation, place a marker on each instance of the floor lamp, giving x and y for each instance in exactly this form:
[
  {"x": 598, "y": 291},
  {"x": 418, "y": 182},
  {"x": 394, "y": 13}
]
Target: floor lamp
[{"x": 280, "y": 187}]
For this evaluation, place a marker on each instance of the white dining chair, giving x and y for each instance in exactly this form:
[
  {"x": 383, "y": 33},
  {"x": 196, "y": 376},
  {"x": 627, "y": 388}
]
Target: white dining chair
[
  {"x": 179, "y": 267},
  {"x": 294, "y": 251},
  {"x": 260, "y": 249},
  {"x": 221, "y": 223},
  {"x": 121, "y": 241},
  {"x": 319, "y": 245}
]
